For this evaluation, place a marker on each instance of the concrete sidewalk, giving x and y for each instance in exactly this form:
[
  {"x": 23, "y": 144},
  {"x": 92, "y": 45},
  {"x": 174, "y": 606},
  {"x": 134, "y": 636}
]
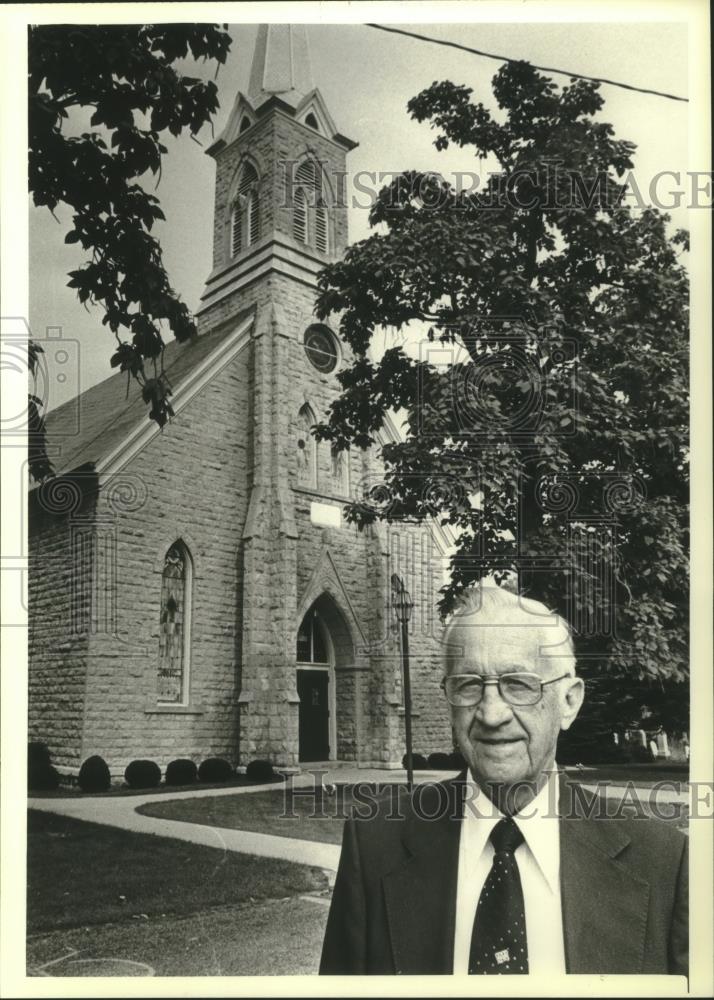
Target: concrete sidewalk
[{"x": 121, "y": 811}]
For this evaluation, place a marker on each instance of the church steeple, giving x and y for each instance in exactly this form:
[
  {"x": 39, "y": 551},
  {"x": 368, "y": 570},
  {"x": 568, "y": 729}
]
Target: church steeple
[
  {"x": 281, "y": 76},
  {"x": 281, "y": 65}
]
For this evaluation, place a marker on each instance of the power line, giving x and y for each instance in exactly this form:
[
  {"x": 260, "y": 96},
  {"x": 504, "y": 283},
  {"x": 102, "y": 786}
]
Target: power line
[{"x": 545, "y": 69}]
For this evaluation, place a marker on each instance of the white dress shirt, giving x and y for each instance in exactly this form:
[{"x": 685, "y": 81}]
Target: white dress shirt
[{"x": 538, "y": 860}]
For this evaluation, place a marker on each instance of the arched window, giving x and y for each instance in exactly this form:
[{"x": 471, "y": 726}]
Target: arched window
[
  {"x": 300, "y": 228},
  {"x": 312, "y": 122},
  {"x": 245, "y": 123},
  {"x": 311, "y": 219},
  {"x": 340, "y": 472},
  {"x": 306, "y": 448},
  {"x": 322, "y": 241},
  {"x": 311, "y": 643},
  {"x": 245, "y": 216},
  {"x": 175, "y": 626}
]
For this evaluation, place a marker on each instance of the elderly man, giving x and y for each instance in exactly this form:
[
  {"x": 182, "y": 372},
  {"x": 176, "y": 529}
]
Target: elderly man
[{"x": 508, "y": 868}]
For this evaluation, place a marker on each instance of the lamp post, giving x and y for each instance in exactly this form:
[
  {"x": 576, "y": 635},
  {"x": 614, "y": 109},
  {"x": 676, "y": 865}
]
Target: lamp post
[{"x": 403, "y": 604}]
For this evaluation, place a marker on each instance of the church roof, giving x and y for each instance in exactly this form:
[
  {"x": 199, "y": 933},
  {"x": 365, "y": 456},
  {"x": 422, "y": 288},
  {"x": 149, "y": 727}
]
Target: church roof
[{"x": 100, "y": 420}]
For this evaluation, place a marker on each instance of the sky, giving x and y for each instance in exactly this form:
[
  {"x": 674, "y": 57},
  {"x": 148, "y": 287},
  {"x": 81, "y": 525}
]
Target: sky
[{"x": 366, "y": 78}]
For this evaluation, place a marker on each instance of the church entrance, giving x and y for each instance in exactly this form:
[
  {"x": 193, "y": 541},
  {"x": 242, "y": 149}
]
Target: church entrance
[
  {"x": 314, "y": 715},
  {"x": 316, "y": 689}
]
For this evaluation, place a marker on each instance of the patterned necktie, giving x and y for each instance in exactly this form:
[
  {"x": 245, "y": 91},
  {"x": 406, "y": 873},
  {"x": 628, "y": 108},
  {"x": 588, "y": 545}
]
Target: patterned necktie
[{"x": 498, "y": 941}]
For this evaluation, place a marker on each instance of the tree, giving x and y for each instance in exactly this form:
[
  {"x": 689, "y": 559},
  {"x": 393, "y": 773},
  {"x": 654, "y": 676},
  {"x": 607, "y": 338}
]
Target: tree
[
  {"x": 555, "y": 442},
  {"x": 127, "y": 77}
]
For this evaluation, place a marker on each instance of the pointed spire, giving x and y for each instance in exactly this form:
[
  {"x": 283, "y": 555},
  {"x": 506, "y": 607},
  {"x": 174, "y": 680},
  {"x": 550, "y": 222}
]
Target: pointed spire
[
  {"x": 281, "y": 69},
  {"x": 281, "y": 64}
]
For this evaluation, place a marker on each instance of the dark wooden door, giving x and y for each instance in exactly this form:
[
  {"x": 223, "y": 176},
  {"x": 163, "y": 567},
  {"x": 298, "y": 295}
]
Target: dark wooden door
[{"x": 314, "y": 714}]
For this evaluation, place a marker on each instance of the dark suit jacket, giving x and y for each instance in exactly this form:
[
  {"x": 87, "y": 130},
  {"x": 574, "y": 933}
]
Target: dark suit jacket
[{"x": 623, "y": 888}]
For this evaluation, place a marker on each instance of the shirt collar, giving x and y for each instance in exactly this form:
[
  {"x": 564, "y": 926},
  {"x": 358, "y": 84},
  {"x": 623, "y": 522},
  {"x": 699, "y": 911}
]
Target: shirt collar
[{"x": 538, "y": 822}]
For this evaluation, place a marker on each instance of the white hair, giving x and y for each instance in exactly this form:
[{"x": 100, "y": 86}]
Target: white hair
[{"x": 486, "y": 606}]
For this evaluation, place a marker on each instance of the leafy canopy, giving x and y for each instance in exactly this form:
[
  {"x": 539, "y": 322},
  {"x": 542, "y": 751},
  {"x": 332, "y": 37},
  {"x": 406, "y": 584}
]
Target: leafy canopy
[
  {"x": 127, "y": 76},
  {"x": 554, "y": 442}
]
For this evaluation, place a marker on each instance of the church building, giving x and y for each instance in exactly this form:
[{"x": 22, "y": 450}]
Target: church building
[{"x": 197, "y": 591}]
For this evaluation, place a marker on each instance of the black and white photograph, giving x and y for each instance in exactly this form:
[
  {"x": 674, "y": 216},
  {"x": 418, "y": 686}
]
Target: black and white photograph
[{"x": 357, "y": 527}]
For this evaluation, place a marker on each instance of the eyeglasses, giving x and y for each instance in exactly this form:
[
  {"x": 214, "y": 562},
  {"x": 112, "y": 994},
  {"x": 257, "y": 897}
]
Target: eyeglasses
[{"x": 466, "y": 690}]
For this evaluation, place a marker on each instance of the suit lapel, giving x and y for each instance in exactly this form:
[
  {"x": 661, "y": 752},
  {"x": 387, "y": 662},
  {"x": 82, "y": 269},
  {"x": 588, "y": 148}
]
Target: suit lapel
[
  {"x": 604, "y": 905},
  {"x": 420, "y": 894}
]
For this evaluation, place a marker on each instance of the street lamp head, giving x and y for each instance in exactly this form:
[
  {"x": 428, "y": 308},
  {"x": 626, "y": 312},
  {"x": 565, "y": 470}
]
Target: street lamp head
[{"x": 401, "y": 599}]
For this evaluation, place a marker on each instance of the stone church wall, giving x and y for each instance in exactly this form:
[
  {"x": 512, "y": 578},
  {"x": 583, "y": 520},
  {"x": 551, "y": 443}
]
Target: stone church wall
[
  {"x": 59, "y": 622},
  {"x": 195, "y": 477}
]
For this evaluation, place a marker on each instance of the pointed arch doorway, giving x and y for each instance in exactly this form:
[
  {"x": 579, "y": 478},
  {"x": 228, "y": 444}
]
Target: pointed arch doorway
[
  {"x": 317, "y": 733},
  {"x": 323, "y": 646}
]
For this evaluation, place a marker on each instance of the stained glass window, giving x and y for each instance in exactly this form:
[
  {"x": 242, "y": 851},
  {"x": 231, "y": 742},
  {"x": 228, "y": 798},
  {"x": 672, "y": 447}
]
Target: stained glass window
[{"x": 174, "y": 626}]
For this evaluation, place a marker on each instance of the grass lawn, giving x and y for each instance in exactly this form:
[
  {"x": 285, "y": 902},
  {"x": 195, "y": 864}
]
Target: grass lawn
[
  {"x": 278, "y": 812},
  {"x": 83, "y": 873}
]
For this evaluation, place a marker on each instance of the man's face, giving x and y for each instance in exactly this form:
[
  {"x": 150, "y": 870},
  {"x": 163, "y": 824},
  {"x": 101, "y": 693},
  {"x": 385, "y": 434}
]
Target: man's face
[{"x": 504, "y": 744}]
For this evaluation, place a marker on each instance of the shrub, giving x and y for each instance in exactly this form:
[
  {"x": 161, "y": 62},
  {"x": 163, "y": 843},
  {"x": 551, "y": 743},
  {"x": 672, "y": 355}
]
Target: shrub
[
  {"x": 214, "y": 769},
  {"x": 94, "y": 775},
  {"x": 418, "y": 762},
  {"x": 142, "y": 774},
  {"x": 38, "y": 755},
  {"x": 181, "y": 772},
  {"x": 438, "y": 761},
  {"x": 42, "y": 778},
  {"x": 640, "y": 754},
  {"x": 457, "y": 761},
  {"x": 259, "y": 770}
]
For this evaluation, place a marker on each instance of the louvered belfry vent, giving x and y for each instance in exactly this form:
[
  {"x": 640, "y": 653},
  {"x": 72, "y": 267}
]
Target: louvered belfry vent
[{"x": 321, "y": 228}]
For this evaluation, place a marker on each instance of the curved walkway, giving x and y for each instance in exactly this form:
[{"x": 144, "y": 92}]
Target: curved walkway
[{"x": 121, "y": 811}]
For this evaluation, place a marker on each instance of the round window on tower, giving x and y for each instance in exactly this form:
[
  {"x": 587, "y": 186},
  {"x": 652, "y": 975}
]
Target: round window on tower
[{"x": 321, "y": 348}]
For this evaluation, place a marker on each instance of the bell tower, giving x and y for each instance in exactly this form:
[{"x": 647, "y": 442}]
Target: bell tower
[
  {"x": 280, "y": 217},
  {"x": 280, "y": 174}
]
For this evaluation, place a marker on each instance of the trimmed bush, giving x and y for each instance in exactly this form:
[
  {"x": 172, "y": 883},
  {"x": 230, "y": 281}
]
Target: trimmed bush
[
  {"x": 38, "y": 755},
  {"x": 42, "y": 778},
  {"x": 260, "y": 770},
  {"x": 439, "y": 761},
  {"x": 418, "y": 762},
  {"x": 142, "y": 774},
  {"x": 457, "y": 761},
  {"x": 94, "y": 775},
  {"x": 214, "y": 769},
  {"x": 181, "y": 772}
]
